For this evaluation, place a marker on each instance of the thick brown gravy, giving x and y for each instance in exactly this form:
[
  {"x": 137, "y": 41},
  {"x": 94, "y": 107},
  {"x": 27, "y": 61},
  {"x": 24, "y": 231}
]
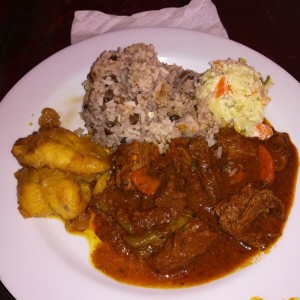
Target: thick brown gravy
[{"x": 229, "y": 171}]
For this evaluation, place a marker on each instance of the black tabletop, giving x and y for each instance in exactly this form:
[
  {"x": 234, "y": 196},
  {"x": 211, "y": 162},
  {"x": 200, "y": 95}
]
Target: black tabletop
[{"x": 31, "y": 31}]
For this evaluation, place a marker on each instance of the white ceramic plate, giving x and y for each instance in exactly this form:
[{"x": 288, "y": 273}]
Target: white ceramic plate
[{"x": 40, "y": 260}]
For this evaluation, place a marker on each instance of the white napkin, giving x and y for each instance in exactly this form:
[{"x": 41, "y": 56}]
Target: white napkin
[{"x": 198, "y": 15}]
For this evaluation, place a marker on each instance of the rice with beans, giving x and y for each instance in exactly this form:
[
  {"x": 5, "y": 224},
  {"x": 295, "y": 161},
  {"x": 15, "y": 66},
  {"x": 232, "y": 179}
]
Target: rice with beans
[{"x": 131, "y": 95}]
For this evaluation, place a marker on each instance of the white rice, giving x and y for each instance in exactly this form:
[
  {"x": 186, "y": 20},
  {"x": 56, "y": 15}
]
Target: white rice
[{"x": 131, "y": 95}]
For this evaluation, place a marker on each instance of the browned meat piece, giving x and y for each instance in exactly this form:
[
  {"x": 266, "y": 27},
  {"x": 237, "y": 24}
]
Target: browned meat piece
[
  {"x": 132, "y": 157},
  {"x": 194, "y": 164},
  {"x": 236, "y": 146},
  {"x": 206, "y": 168},
  {"x": 145, "y": 219},
  {"x": 171, "y": 196},
  {"x": 187, "y": 159},
  {"x": 280, "y": 146},
  {"x": 168, "y": 205},
  {"x": 187, "y": 243},
  {"x": 153, "y": 239},
  {"x": 110, "y": 232},
  {"x": 198, "y": 200},
  {"x": 248, "y": 216},
  {"x": 179, "y": 154}
]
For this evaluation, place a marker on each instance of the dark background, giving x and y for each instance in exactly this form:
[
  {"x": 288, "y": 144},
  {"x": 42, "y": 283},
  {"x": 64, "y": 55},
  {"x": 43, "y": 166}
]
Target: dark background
[{"x": 32, "y": 30}]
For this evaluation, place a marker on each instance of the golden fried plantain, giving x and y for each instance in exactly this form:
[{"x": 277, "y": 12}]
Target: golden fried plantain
[{"x": 44, "y": 192}]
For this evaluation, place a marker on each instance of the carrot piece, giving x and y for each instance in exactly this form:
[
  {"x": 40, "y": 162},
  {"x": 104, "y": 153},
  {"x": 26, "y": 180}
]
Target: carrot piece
[
  {"x": 238, "y": 177},
  {"x": 266, "y": 165},
  {"x": 264, "y": 131},
  {"x": 217, "y": 62},
  {"x": 144, "y": 182},
  {"x": 222, "y": 87}
]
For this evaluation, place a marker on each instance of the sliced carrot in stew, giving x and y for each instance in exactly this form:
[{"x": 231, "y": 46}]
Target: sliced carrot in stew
[
  {"x": 238, "y": 177},
  {"x": 266, "y": 165},
  {"x": 144, "y": 182}
]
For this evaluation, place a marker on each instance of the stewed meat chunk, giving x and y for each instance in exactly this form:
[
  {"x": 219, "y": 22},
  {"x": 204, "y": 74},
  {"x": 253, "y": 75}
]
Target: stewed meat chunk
[
  {"x": 249, "y": 215},
  {"x": 279, "y": 145},
  {"x": 235, "y": 145},
  {"x": 186, "y": 244},
  {"x": 206, "y": 167}
]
